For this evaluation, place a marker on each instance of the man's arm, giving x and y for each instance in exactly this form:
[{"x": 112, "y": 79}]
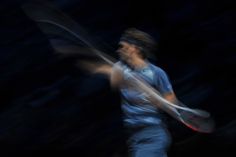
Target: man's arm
[
  {"x": 114, "y": 73},
  {"x": 116, "y": 76}
]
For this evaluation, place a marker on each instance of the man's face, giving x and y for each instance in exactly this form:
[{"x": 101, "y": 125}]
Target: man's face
[{"x": 126, "y": 51}]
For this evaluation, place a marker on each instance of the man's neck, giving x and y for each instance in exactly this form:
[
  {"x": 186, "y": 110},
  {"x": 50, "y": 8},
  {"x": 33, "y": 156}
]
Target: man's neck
[{"x": 138, "y": 63}]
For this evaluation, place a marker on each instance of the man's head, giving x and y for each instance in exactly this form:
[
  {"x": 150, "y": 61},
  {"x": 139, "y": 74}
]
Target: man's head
[{"x": 136, "y": 43}]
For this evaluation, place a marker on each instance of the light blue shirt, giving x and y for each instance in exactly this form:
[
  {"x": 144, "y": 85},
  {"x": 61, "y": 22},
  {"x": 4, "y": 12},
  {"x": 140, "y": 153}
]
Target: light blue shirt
[{"x": 137, "y": 109}]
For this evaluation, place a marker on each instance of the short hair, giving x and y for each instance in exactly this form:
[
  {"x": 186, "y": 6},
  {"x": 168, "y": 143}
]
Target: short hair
[{"x": 144, "y": 41}]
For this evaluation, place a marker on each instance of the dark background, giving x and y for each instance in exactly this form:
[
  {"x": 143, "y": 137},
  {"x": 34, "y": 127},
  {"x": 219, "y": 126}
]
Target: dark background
[{"x": 48, "y": 105}]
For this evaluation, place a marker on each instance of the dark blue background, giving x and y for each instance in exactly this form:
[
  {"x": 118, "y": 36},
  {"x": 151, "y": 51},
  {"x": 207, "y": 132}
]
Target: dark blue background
[{"x": 50, "y": 105}]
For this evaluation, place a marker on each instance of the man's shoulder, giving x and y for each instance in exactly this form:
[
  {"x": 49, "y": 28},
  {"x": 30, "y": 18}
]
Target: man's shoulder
[{"x": 156, "y": 68}]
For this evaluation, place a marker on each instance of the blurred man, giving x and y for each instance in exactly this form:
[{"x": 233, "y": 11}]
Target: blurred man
[{"x": 148, "y": 136}]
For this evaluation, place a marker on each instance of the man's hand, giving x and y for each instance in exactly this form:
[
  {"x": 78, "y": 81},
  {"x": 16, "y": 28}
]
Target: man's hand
[{"x": 171, "y": 97}]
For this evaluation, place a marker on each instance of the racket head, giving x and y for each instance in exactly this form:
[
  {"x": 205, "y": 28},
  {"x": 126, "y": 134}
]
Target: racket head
[{"x": 197, "y": 122}]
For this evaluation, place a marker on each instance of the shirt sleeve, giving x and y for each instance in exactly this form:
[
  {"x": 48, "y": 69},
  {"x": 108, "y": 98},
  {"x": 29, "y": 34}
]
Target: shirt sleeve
[{"x": 163, "y": 84}]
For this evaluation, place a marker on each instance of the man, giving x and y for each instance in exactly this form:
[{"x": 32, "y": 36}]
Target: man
[{"x": 148, "y": 136}]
